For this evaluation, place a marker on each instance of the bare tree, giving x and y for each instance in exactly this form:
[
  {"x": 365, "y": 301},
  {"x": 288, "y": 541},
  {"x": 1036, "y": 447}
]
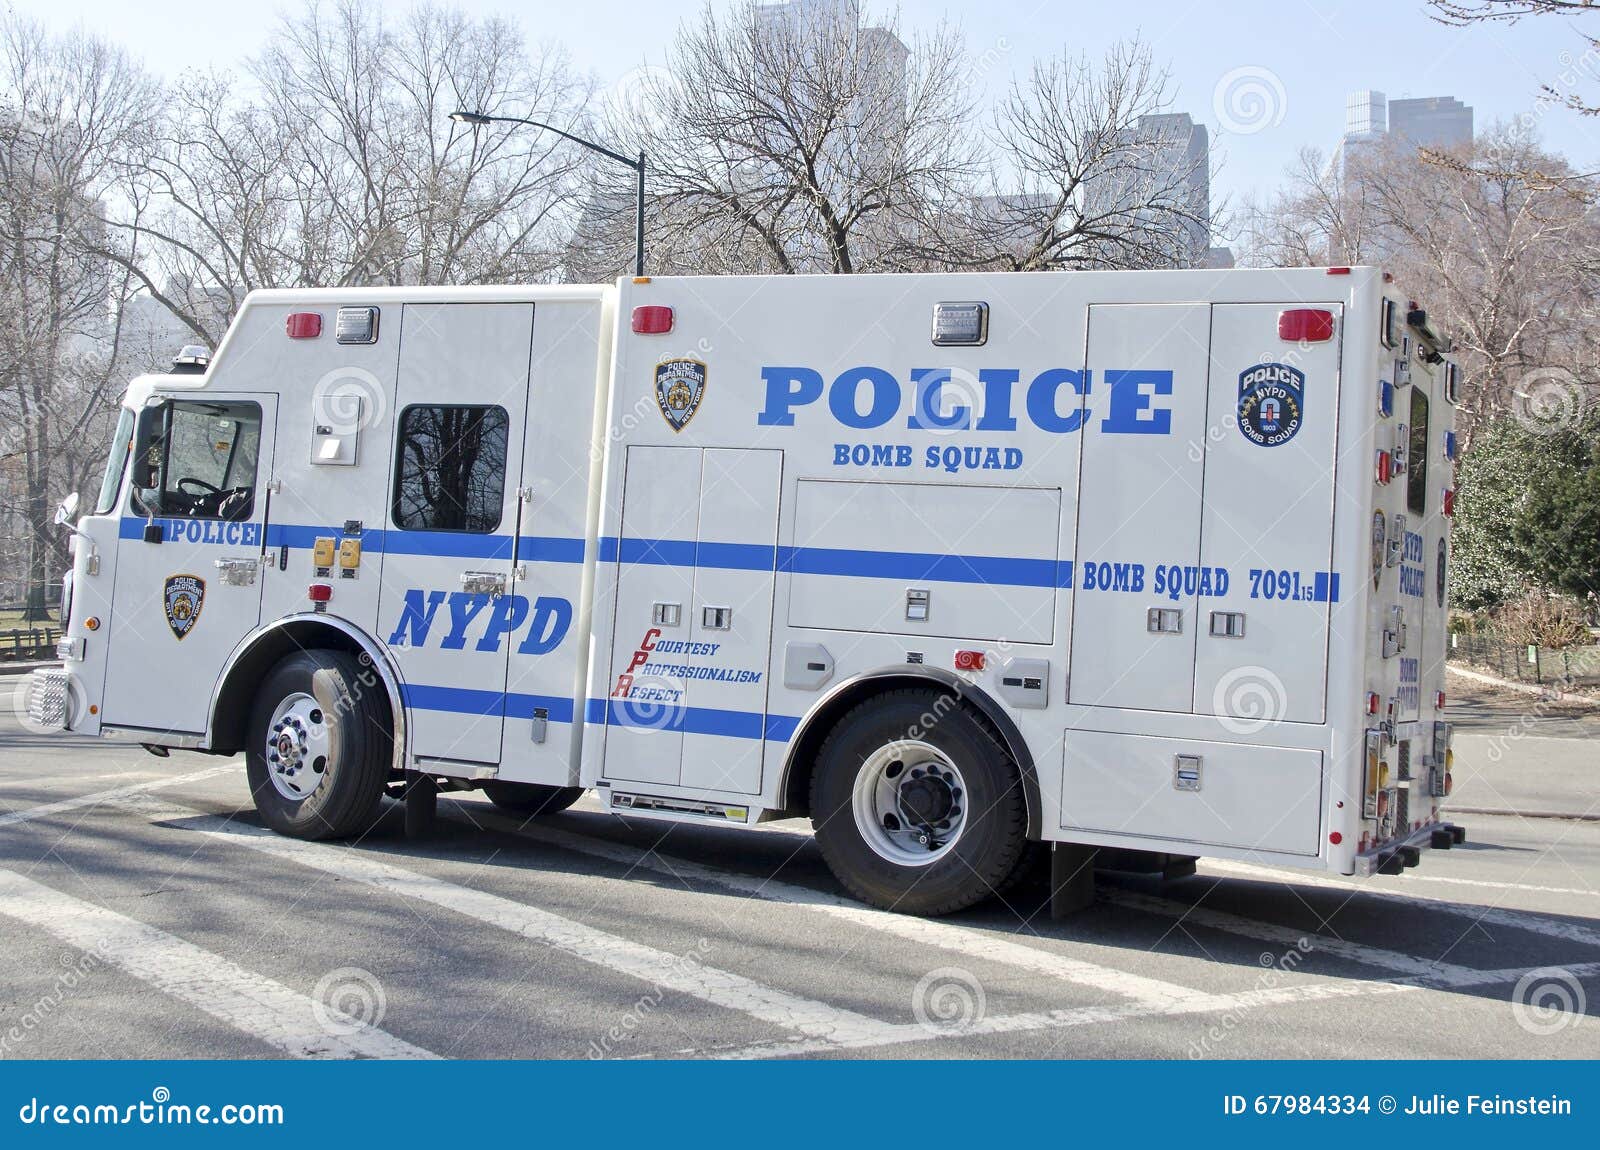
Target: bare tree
[
  {"x": 795, "y": 138},
  {"x": 1508, "y": 264},
  {"x": 1098, "y": 173},
  {"x": 69, "y": 108},
  {"x": 341, "y": 166},
  {"x": 1464, "y": 13}
]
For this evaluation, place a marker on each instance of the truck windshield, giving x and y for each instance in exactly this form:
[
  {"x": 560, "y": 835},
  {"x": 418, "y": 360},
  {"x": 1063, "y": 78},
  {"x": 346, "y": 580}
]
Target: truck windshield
[{"x": 121, "y": 442}]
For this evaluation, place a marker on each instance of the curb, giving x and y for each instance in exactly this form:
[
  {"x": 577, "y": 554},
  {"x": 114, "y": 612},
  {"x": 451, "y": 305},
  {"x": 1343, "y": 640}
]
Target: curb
[
  {"x": 1521, "y": 688},
  {"x": 1575, "y": 816}
]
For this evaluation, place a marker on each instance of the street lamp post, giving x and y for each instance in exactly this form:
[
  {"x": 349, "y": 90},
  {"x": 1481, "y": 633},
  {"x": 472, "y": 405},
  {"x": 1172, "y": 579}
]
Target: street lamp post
[{"x": 478, "y": 119}]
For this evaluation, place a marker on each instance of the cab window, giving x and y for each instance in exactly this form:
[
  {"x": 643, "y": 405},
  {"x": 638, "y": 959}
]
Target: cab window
[
  {"x": 197, "y": 460},
  {"x": 116, "y": 462},
  {"x": 450, "y": 470}
]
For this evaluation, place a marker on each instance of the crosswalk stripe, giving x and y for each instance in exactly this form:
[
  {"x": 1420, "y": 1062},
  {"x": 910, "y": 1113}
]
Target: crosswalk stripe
[
  {"x": 832, "y": 1026},
  {"x": 816, "y": 1027},
  {"x": 113, "y": 796},
  {"x": 1514, "y": 919},
  {"x": 1306, "y": 941},
  {"x": 983, "y": 945},
  {"x": 258, "y": 1006}
]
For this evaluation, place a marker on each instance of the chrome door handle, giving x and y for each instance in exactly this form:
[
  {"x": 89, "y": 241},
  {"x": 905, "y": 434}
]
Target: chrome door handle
[
  {"x": 490, "y": 583},
  {"x": 239, "y": 572}
]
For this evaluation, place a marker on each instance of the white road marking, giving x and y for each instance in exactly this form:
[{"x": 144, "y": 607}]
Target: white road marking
[
  {"x": 116, "y": 795},
  {"x": 258, "y": 1006},
  {"x": 1514, "y": 919},
  {"x": 978, "y": 944},
  {"x": 1522, "y": 887},
  {"x": 832, "y": 1026},
  {"x": 33, "y": 780},
  {"x": 1445, "y": 973}
]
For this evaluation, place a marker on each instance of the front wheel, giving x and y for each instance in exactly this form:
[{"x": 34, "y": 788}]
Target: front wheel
[
  {"x": 318, "y": 748},
  {"x": 917, "y": 805}
]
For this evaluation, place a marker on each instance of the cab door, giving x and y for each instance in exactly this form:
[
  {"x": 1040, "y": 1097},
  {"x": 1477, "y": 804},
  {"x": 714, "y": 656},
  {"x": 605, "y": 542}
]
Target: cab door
[
  {"x": 447, "y": 608},
  {"x": 189, "y": 557}
]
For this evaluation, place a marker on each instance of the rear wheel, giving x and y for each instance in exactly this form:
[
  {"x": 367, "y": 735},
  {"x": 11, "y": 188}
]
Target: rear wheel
[
  {"x": 917, "y": 805},
  {"x": 531, "y": 799},
  {"x": 319, "y": 743}
]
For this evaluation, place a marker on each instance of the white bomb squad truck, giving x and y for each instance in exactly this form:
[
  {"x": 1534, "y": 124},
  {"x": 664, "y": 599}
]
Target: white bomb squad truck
[{"x": 1147, "y": 564}]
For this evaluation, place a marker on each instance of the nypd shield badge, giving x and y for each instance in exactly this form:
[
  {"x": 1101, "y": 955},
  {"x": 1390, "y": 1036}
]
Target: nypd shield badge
[
  {"x": 1271, "y": 403},
  {"x": 183, "y": 597},
  {"x": 680, "y": 386}
]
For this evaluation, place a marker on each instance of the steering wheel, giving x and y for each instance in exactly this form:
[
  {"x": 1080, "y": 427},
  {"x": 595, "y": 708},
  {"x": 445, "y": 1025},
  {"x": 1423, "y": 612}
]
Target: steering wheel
[{"x": 205, "y": 488}]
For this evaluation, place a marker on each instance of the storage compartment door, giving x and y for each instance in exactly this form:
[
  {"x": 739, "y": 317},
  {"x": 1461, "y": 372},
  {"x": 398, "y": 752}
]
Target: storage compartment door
[
  {"x": 655, "y": 595},
  {"x": 1192, "y": 791},
  {"x": 723, "y": 668},
  {"x": 1268, "y": 520},
  {"x": 1138, "y": 540}
]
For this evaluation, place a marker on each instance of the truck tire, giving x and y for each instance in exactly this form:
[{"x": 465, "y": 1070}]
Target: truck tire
[
  {"x": 917, "y": 805},
  {"x": 318, "y": 750},
  {"x": 531, "y": 799}
]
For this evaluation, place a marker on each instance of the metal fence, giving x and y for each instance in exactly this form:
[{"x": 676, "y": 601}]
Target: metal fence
[
  {"x": 28, "y": 643},
  {"x": 1527, "y": 664}
]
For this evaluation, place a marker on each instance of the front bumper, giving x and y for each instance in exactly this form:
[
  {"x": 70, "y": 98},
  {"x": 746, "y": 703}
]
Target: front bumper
[
  {"x": 50, "y": 699},
  {"x": 1395, "y": 856}
]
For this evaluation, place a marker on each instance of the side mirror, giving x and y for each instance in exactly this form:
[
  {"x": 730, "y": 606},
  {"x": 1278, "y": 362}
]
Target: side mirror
[{"x": 67, "y": 510}]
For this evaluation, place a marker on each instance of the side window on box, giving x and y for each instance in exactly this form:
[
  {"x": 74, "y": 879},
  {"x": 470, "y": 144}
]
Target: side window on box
[{"x": 450, "y": 468}]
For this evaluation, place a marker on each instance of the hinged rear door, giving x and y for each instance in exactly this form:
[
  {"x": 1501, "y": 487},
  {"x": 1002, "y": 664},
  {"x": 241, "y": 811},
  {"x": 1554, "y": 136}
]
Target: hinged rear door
[{"x": 1268, "y": 496}]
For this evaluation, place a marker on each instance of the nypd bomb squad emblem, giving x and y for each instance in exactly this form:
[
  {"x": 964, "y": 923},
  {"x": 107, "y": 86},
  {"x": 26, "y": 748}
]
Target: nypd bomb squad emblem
[
  {"x": 680, "y": 385},
  {"x": 183, "y": 597},
  {"x": 1271, "y": 403}
]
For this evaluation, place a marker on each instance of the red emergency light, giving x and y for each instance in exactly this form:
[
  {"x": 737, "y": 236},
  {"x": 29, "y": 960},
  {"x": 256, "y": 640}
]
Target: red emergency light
[
  {"x": 969, "y": 660},
  {"x": 1385, "y": 467},
  {"x": 319, "y": 592},
  {"x": 1306, "y": 325},
  {"x": 304, "y": 324},
  {"x": 652, "y": 319},
  {"x": 1449, "y": 502}
]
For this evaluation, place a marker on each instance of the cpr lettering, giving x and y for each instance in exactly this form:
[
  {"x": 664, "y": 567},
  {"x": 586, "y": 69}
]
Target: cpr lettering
[
  {"x": 870, "y": 397},
  {"x": 548, "y": 619}
]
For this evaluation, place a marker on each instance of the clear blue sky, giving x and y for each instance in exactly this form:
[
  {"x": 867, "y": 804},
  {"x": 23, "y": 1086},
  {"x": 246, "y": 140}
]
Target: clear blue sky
[{"x": 1313, "y": 53}]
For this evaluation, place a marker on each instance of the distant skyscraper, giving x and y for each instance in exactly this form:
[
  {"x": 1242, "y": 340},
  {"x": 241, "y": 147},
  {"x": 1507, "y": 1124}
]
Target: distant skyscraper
[
  {"x": 1431, "y": 121},
  {"x": 1365, "y": 116},
  {"x": 1170, "y": 146}
]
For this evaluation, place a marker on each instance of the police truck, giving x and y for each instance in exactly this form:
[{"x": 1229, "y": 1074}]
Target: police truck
[{"x": 1124, "y": 566}]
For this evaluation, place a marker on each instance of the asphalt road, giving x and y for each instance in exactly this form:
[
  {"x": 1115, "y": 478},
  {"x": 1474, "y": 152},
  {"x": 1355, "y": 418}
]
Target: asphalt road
[{"x": 145, "y": 914}]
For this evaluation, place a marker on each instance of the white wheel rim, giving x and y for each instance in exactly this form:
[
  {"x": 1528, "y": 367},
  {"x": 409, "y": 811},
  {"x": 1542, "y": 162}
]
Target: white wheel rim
[
  {"x": 910, "y": 803},
  {"x": 297, "y": 747}
]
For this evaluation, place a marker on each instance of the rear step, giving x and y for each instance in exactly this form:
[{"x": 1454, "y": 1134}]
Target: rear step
[{"x": 1397, "y": 858}]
